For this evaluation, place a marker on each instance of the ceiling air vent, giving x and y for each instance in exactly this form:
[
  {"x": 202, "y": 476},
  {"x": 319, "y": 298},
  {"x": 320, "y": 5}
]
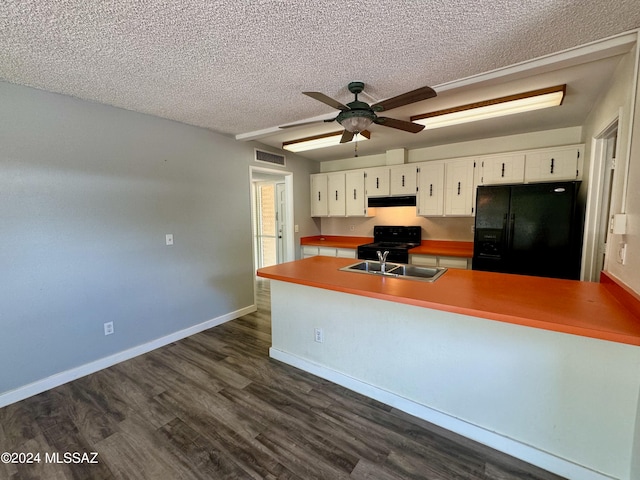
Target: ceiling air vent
[{"x": 267, "y": 157}]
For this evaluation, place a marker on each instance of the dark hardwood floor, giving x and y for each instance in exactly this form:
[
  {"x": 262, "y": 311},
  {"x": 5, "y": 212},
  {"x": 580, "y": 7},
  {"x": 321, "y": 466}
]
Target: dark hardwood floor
[{"x": 215, "y": 406}]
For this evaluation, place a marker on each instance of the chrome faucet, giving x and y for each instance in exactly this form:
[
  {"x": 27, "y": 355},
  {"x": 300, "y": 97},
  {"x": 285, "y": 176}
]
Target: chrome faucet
[{"x": 383, "y": 260}]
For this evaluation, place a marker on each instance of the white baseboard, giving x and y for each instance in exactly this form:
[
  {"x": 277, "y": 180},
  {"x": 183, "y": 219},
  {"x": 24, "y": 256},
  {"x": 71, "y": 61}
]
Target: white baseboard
[
  {"x": 527, "y": 453},
  {"x": 61, "y": 378}
]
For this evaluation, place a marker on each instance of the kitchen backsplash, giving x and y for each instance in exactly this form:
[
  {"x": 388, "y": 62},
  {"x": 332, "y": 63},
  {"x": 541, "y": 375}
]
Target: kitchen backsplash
[{"x": 433, "y": 228}]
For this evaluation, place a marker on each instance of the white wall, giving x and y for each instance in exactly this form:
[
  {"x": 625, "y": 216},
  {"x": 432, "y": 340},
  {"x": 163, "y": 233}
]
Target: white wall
[
  {"x": 525, "y": 141},
  {"x": 621, "y": 98},
  {"x": 433, "y": 228},
  {"x": 564, "y": 402},
  {"x": 87, "y": 194}
]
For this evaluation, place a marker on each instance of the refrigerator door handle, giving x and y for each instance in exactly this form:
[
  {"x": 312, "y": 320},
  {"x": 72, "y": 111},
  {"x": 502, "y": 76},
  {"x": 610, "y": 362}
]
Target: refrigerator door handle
[{"x": 512, "y": 225}]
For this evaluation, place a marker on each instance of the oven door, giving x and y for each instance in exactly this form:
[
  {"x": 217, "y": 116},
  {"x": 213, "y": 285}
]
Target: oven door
[{"x": 367, "y": 253}]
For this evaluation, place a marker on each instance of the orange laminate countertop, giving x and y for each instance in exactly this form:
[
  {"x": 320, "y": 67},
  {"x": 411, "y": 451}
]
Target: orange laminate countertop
[
  {"x": 335, "y": 241},
  {"x": 444, "y": 248},
  {"x": 580, "y": 308}
]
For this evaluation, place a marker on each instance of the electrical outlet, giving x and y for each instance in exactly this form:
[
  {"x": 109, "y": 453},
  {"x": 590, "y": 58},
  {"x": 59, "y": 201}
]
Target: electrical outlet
[
  {"x": 108, "y": 328},
  {"x": 318, "y": 335},
  {"x": 622, "y": 253},
  {"x": 169, "y": 239}
]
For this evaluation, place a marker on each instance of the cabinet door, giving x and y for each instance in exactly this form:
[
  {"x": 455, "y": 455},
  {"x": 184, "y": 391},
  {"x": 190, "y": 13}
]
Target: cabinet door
[
  {"x": 308, "y": 251},
  {"x": 319, "y": 204},
  {"x": 356, "y": 202},
  {"x": 377, "y": 182},
  {"x": 430, "y": 199},
  {"x": 336, "y": 194},
  {"x": 459, "y": 188},
  {"x": 562, "y": 164},
  {"x": 503, "y": 169},
  {"x": 403, "y": 180},
  {"x": 346, "y": 253}
]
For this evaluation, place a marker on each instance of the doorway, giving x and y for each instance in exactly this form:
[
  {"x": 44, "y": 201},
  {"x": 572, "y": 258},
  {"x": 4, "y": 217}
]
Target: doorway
[
  {"x": 272, "y": 216},
  {"x": 596, "y": 251}
]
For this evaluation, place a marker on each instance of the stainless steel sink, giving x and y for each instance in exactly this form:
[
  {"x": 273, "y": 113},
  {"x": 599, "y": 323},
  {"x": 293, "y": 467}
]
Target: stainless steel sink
[{"x": 398, "y": 270}]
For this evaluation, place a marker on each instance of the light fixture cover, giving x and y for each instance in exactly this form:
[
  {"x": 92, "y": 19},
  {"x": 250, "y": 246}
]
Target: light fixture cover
[
  {"x": 356, "y": 124},
  {"x": 322, "y": 141},
  {"x": 497, "y": 107}
]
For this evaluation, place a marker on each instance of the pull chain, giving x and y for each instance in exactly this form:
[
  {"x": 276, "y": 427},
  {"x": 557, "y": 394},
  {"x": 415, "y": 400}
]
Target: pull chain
[{"x": 355, "y": 145}]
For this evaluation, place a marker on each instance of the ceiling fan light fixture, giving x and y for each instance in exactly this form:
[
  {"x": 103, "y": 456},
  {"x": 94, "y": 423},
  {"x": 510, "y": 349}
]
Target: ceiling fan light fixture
[
  {"x": 356, "y": 124},
  {"x": 497, "y": 107},
  {"x": 321, "y": 141}
]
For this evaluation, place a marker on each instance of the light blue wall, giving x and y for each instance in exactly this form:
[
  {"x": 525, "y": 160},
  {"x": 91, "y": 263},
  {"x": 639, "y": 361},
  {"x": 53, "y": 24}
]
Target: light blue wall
[{"x": 87, "y": 194}]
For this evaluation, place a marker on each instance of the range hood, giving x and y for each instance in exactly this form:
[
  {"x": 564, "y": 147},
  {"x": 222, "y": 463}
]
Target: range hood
[{"x": 400, "y": 201}]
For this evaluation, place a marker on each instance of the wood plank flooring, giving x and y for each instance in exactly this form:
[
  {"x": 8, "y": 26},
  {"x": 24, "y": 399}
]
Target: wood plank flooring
[{"x": 215, "y": 406}]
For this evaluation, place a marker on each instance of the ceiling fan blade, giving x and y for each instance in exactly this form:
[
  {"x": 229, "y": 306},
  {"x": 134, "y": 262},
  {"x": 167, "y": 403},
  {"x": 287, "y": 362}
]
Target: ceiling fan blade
[
  {"x": 405, "y": 99},
  {"x": 347, "y": 136},
  {"x": 399, "y": 124},
  {"x": 321, "y": 97}
]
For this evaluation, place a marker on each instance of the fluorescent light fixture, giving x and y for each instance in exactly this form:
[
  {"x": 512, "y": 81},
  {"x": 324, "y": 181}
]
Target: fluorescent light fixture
[
  {"x": 497, "y": 107},
  {"x": 322, "y": 141}
]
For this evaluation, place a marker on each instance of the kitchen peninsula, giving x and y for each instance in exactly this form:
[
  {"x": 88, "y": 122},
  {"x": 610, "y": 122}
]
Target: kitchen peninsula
[{"x": 546, "y": 370}]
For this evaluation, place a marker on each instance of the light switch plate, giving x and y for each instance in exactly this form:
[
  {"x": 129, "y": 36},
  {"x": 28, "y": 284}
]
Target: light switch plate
[{"x": 169, "y": 238}]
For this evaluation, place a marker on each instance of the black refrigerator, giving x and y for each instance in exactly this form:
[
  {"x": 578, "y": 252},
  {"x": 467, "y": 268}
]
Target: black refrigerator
[{"x": 531, "y": 229}]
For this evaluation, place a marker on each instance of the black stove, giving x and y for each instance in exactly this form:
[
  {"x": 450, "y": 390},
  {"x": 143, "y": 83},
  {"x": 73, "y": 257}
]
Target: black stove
[{"x": 396, "y": 240}]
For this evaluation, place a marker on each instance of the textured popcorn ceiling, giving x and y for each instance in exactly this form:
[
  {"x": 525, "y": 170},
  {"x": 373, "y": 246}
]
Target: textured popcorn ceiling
[{"x": 239, "y": 66}]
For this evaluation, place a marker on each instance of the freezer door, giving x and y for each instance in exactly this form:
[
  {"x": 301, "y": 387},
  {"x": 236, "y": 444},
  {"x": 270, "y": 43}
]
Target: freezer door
[
  {"x": 542, "y": 230},
  {"x": 491, "y": 232}
]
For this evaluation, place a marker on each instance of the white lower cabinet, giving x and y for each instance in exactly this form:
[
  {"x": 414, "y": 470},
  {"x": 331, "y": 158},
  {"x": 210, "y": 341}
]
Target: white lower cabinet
[
  {"x": 346, "y": 253},
  {"x": 440, "y": 261},
  {"x": 311, "y": 251}
]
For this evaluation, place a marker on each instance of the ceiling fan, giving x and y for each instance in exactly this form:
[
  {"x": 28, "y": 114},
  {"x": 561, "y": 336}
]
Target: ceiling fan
[{"x": 357, "y": 116}]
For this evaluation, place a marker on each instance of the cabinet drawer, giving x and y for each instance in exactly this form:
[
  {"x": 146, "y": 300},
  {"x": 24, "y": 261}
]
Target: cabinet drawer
[
  {"x": 327, "y": 251},
  {"x": 346, "y": 253},
  {"x": 424, "y": 260},
  {"x": 309, "y": 251},
  {"x": 453, "y": 262}
]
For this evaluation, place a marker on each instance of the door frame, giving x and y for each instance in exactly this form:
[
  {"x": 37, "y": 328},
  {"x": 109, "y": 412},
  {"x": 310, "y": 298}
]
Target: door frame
[
  {"x": 594, "y": 223},
  {"x": 288, "y": 233}
]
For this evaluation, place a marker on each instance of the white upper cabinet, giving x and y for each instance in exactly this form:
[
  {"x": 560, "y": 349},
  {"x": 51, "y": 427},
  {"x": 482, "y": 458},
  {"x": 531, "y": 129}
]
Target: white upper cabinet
[
  {"x": 554, "y": 164},
  {"x": 403, "y": 180},
  {"x": 336, "y": 194},
  {"x": 319, "y": 204},
  {"x": 502, "y": 169},
  {"x": 443, "y": 187},
  {"x": 377, "y": 181},
  {"x": 356, "y": 201},
  {"x": 430, "y": 201},
  {"x": 459, "y": 187}
]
